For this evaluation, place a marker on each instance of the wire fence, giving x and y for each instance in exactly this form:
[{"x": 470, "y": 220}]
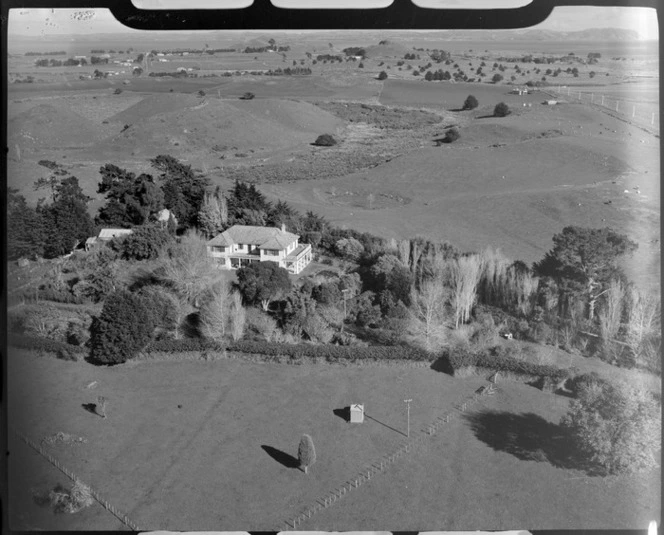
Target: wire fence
[
  {"x": 644, "y": 114},
  {"x": 122, "y": 517},
  {"x": 381, "y": 464}
]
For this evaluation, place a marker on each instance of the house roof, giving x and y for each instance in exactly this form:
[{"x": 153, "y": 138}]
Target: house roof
[
  {"x": 263, "y": 237},
  {"x": 108, "y": 233}
]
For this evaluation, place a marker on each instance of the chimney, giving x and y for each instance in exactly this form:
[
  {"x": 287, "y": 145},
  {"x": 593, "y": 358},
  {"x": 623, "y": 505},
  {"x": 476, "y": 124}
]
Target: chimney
[{"x": 283, "y": 227}]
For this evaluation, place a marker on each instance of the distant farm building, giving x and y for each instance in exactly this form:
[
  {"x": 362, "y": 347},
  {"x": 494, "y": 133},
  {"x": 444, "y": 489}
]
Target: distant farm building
[
  {"x": 106, "y": 234},
  {"x": 550, "y": 102},
  {"x": 242, "y": 245}
]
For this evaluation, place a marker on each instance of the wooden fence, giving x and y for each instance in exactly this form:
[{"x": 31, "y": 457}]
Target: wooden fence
[
  {"x": 381, "y": 464},
  {"x": 122, "y": 517}
]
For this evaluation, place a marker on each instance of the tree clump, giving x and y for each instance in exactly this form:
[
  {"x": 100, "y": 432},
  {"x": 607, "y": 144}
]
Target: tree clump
[
  {"x": 616, "y": 425},
  {"x": 325, "y": 140},
  {"x": 470, "y": 103},
  {"x": 583, "y": 261},
  {"x": 501, "y": 110},
  {"x": 382, "y": 75},
  {"x": 263, "y": 282}
]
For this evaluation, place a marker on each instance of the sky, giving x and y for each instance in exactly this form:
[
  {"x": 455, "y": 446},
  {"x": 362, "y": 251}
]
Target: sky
[{"x": 568, "y": 18}]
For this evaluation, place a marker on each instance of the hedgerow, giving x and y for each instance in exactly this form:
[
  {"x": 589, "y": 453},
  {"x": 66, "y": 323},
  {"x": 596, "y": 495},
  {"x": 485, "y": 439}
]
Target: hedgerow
[
  {"x": 46, "y": 345},
  {"x": 184, "y": 344},
  {"x": 462, "y": 358},
  {"x": 331, "y": 352}
]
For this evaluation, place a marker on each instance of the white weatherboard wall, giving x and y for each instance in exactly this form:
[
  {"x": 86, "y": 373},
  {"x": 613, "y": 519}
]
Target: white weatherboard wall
[{"x": 356, "y": 413}]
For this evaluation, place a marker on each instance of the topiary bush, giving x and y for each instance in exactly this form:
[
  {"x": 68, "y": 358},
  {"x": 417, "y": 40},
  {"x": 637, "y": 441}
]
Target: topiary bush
[
  {"x": 325, "y": 140},
  {"x": 501, "y": 110},
  {"x": 306, "y": 453}
]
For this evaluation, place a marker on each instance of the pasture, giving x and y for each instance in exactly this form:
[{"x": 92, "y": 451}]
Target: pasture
[{"x": 211, "y": 444}]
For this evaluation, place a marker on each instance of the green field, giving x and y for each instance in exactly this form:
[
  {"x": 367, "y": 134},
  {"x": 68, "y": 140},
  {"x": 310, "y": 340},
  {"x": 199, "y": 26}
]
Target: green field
[{"x": 209, "y": 445}]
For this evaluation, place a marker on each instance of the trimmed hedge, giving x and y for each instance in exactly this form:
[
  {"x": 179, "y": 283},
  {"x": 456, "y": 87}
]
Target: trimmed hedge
[
  {"x": 61, "y": 349},
  {"x": 460, "y": 359},
  {"x": 293, "y": 351},
  {"x": 331, "y": 352},
  {"x": 184, "y": 344}
]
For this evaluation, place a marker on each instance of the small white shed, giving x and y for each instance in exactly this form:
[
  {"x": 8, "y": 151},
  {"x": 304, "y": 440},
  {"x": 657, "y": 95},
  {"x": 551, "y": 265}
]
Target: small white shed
[{"x": 356, "y": 413}]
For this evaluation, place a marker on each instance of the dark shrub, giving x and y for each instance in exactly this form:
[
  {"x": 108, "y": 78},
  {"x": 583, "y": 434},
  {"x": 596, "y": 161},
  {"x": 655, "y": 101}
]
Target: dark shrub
[
  {"x": 144, "y": 243},
  {"x": 122, "y": 330},
  {"x": 576, "y": 383},
  {"x": 325, "y": 140},
  {"x": 382, "y": 75},
  {"x": 501, "y": 110},
  {"x": 451, "y": 135},
  {"x": 247, "y": 96},
  {"x": 470, "y": 103}
]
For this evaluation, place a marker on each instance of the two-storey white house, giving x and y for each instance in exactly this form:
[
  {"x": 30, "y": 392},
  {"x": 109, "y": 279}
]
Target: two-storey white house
[{"x": 241, "y": 245}]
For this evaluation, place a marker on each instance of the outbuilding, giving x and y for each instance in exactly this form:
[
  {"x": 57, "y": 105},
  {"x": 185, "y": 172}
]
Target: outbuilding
[{"x": 356, "y": 413}]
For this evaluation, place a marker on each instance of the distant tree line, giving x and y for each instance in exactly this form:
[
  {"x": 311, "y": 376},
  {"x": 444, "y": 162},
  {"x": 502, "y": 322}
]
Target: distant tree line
[
  {"x": 111, "y": 51},
  {"x": 329, "y": 57},
  {"x": 261, "y": 49},
  {"x": 71, "y": 62},
  {"x": 56, "y": 53},
  {"x": 355, "y": 51}
]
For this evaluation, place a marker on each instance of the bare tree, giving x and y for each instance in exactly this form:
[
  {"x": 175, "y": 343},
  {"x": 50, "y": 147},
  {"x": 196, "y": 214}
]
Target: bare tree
[
  {"x": 237, "y": 317},
  {"x": 643, "y": 318},
  {"x": 188, "y": 269},
  {"x": 610, "y": 314},
  {"x": 403, "y": 247},
  {"x": 465, "y": 273},
  {"x": 213, "y": 215},
  {"x": 428, "y": 312},
  {"x": 522, "y": 286},
  {"x": 215, "y": 312},
  {"x": 262, "y": 323}
]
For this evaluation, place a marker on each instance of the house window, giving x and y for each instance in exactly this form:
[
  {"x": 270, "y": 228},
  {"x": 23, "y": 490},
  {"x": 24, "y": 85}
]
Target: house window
[
  {"x": 271, "y": 252},
  {"x": 217, "y": 249}
]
